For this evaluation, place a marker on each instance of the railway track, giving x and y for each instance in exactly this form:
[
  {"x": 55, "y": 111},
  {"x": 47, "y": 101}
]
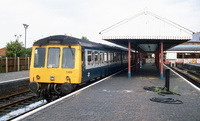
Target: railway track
[
  {"x": 12, "y": 103},
  {"x": 19, "y": 101},
  {"x": 191, "y": 75},
  {"x": 22, "y": 100}
]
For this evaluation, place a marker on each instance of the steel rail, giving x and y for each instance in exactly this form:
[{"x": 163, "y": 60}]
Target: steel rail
[
  {"x": 9, "y": 105},
  {"x": 14, "y": 95}
]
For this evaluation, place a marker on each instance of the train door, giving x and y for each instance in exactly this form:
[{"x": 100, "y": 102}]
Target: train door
[{"x": 83, "y": 64}]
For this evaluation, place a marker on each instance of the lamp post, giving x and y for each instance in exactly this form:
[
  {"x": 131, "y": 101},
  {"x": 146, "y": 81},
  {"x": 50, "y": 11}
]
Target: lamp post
[
  {"x": 25, "y": 26},
  {"x": 17, "y": 37}
]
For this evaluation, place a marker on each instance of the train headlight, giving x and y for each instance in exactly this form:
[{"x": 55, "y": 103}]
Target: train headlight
[
  {"x": 38, "y": 77},
  {"x": 68, "y": 79},
  {"x": 52, "y": 78}
]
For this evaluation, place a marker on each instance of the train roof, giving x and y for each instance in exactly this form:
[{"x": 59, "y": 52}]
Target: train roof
[
  {"x": 185, "y": 48},
  {"x": 68, "y": 40}
]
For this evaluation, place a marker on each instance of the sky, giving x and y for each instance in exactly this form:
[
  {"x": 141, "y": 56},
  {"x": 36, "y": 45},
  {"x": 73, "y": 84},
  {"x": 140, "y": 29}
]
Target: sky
[{"x": 79, "y": 18}]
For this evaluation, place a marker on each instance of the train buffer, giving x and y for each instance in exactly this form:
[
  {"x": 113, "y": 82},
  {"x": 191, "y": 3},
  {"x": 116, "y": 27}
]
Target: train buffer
[{"x": 123, "y": 98}]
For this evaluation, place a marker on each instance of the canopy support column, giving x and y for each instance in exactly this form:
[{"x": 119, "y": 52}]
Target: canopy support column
[
  {"x": 135, "y": 60},
  {"x": 129, "y": 59},
  {"x": 161, "y": 65},
  {"x": 156, "y": 59},
  {"x": 159, "y": 59},
  {"x": 139, "y": 51}
]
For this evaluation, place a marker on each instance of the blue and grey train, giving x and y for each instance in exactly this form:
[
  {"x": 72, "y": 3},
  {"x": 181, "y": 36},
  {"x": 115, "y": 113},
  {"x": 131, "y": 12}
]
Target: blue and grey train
[{"x": 60, "y": 63}]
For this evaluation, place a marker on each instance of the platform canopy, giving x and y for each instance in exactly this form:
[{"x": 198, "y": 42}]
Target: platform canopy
[{"x": 146, "y": 31}]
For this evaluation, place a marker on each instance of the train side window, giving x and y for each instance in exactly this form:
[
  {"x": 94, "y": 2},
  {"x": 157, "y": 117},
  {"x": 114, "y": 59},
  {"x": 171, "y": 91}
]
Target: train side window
[
  {"x": 111, "y": 57},
  {"x": 101, "y": 57},
  {"x": 93, "y": 61},
  {"x": 105, "y": 58},
  {"x": 125, "y": 57},
  {"x": 90, "y": 62},
  {"x": 114, "y": 58},
  {"x": 96, "y": 57},
  {"x": 119, "y": 57},
  {"x": 108, "y": 57},
  {"x": 39, "y": 59}
]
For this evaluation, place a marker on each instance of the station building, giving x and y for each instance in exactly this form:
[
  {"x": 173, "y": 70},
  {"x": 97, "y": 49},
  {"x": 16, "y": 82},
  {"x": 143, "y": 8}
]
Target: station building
[{"x": 188, "y": 52}]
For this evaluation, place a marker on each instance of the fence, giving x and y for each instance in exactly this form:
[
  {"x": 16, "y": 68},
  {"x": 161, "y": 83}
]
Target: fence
[{"x": 11, "y": 64}]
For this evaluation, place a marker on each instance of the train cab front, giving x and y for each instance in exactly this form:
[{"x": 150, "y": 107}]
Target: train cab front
[{"x": 55, "y": 69}]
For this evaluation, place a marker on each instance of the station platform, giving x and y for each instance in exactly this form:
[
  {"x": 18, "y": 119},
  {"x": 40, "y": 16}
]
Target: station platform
[
  {"x": 13, "y": 83},
  {"x": 123, "y": 98},
  {"x": 13, "y": 75}
]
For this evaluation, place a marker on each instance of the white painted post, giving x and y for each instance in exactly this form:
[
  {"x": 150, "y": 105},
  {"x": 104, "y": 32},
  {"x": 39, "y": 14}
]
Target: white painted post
[
  {"x": 25, "y": 64},
  {"x": 28, "y": 62},
  {"x": 6, "y": 64},
  {"x": 15, "y": 63}
]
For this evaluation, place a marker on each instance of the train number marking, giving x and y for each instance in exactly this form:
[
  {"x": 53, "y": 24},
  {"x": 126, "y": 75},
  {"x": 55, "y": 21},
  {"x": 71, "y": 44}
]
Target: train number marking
[{"x": 69, "y": 72}]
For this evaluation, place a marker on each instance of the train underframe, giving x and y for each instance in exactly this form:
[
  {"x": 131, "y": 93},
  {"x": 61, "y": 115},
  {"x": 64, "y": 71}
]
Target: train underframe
[{"x": 51, "y": 91}]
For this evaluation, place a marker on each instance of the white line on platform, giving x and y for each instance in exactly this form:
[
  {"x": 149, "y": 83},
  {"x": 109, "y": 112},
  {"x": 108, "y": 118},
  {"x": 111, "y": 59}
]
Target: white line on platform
[
  {"x": 184, "y": 79},
  {"x": 60, "y": 99},
  {"x": 14, "y": 80}
]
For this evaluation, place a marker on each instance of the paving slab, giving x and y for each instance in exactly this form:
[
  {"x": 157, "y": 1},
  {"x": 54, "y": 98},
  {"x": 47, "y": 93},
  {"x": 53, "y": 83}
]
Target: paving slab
[{"x": 120, "y": 98}]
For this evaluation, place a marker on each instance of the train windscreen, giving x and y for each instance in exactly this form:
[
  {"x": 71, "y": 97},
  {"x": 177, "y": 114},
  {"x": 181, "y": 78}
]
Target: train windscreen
[
  {"x": 68, "y": 58},
  {"x": 53, "y": 57},
  {"x": 39, "y": 57}
]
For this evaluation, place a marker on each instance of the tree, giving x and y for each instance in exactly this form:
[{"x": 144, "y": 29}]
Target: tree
[
  {"x": 28, "y": 52},
  {"x": 85, "y": 38},
  {"x": 14, "y": 47}
]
